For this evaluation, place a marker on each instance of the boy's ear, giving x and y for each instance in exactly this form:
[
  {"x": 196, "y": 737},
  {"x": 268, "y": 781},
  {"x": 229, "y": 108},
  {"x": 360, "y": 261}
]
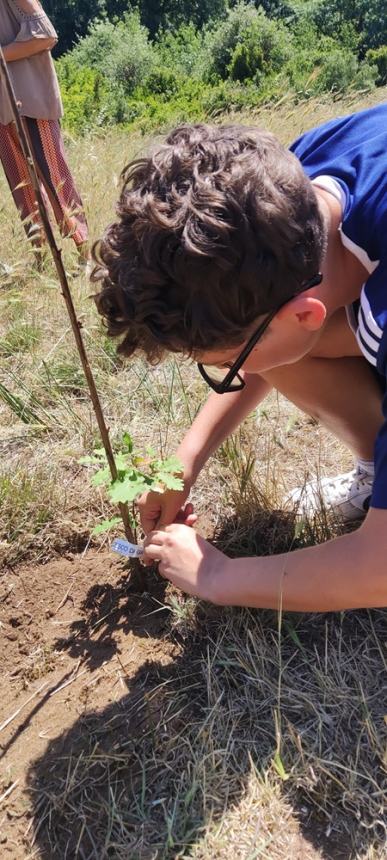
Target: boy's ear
[{"x": 304, "y": 310}]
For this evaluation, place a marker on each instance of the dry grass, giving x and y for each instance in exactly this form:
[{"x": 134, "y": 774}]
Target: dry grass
[
  {"x": 263, "y": 739},
  {"x": 253, "y": 737}
]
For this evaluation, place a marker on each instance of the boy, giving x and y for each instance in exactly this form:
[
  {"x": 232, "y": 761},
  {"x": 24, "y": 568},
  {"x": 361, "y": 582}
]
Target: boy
[{"x": 244, "y": 255}]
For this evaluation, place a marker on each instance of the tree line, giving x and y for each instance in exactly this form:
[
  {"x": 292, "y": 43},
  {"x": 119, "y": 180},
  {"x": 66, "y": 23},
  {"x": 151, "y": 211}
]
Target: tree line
[
  {"x": 364, "y": 20},
  {"x": 158, "y": 63}
]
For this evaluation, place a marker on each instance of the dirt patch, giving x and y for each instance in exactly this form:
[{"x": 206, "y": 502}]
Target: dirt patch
[
  {"x": 72, "y": 632},
  {"x": 126, "y": 736}
]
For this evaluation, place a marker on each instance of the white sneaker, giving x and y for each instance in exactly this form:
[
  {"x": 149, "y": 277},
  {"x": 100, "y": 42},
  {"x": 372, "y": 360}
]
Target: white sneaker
[{"x": 346, "y": 495}]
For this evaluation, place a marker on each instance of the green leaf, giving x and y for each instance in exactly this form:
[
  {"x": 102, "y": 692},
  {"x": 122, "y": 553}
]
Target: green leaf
[
  {"x": 128, "y": 442},
  {"x": 97, "y": 458},
  {"x": 172, "y": 464},
  {"x": 122, "y": 462},
  {"x": 279, "y": 767},
  {"x": 99, "y": 453},
  {"x": 106, "y": 525},
  {"x": 170, "y": 481},
  {"x": 101, "y": 477},
  {"x": 127, "y": 490}
]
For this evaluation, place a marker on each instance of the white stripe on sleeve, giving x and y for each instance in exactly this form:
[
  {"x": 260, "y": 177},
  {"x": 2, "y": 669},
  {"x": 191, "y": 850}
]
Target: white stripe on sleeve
[
  {"x": 368, "y": 316},
  {"x": 368, "y": 355}
]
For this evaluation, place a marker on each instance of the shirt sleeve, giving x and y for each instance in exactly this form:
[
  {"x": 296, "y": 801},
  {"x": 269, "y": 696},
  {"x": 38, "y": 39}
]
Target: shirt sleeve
[
  {"x": 32, "y": 26},
  {"x": 372, "y": 338}
]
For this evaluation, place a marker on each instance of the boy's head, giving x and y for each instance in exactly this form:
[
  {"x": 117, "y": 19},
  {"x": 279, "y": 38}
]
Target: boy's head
[{"x": 216, "y": 227}]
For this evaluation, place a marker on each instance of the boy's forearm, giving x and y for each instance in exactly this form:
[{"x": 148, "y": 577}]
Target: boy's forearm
[
  {"x": 22, "y": 50},
  {"x": 219, "y": 417},
  {"x": 340, "y": 574}
]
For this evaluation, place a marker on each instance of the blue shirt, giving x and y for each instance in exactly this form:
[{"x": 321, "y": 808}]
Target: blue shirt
[{"x": 351, "y": 154}]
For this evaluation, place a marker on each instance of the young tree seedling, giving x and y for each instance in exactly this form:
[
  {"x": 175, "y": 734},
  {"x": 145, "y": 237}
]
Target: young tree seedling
[{"x": 136, "y": 474}]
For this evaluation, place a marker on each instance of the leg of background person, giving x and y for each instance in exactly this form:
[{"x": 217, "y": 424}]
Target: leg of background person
[
  {"x": 16, "y": 171},
  {"x": 343, "y": 393},
  {"x": 47, "y": 144}
]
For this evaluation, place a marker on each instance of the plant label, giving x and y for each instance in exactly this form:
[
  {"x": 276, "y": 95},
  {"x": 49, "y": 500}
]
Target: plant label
[{"x": 130, "y": 550}]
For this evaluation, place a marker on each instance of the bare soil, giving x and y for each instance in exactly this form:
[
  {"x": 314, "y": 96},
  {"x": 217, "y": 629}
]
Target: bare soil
[
  {"x": 82, "y": 648},
  {"x": 73, "y": 633}
]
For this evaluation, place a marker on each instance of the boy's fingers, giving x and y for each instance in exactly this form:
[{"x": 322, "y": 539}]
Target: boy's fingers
[
  {"x": 148, "y": 525},
  {"x": 149, "y": 518},
  {"x": 155, "y": 537},
  {"x": 190, "y": 521},
  {"x": 152, "y": 551},
  {"x": 170, "y": 516},
  {"x": 186, "y": 516}
]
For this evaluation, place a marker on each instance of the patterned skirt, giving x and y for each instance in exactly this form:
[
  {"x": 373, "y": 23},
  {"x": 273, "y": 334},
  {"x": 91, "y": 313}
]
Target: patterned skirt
[{"x": 56, "y": 182}]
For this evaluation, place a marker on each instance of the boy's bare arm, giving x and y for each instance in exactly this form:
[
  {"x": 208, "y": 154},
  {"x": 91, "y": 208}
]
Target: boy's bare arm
[
  {"x": 220, "y": 415},
  {"x": 218, "y": 418},
  {"x": 348, "y": 572}
]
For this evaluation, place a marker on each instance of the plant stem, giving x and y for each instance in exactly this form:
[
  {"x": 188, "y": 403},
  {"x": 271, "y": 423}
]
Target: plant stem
[{"x": 65, "y": 289}]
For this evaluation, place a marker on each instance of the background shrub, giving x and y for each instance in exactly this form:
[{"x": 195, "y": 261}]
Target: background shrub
[
  {"x": 246, "y": 54},
  {"x": 378, "y": 57},
  {"x": 121, "y": 51},
  {"x": 247, "y": 36},
  {"x": 88, "y": 100},
  {"x": 183, "y": 50},
  {"x": 340, "y": 70}
]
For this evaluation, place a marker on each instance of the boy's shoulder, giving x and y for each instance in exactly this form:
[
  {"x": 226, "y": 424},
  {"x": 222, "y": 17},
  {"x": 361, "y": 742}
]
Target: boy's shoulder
[
  {"x": 364, "y": 131},
  {"x": 352, "y": 150}
]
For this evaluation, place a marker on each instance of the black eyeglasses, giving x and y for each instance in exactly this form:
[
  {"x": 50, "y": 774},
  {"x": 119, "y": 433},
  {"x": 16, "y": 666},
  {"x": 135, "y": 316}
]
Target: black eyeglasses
[{"x": 224, "y": 379}]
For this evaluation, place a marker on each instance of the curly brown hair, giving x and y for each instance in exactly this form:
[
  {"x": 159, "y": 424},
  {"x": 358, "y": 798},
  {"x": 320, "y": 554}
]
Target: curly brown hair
[{"x": 217, "y": 226}]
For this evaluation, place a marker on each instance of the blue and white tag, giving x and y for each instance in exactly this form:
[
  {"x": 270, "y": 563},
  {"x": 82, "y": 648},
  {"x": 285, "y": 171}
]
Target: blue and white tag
[{"x": 129, "y": 550}]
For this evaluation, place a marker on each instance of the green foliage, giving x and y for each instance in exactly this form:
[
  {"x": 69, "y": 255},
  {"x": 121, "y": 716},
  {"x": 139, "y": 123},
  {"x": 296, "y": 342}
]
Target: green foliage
[
  {"x": 374, "y": 19},
  {"x": 321, "y": 64},
  {"x": 170, "y": 14},
  {"x": 120, "y": 51},
  {"x": 246, "y": 37},
  {"x": 84, "y": 94},
  {"x": 72, "y": 18},
  {"x": 234, "y": 96},
  {"x": 26, "y": 503},
  {"x": 367, "y": 19},
  {"x": 136, "y": 474},
  {"x": 183, "y": 50},
  {"x": 246, "y": 60},
  {"x": 164, "y": 82},
  {"x": 378, "y": 57},
  {"x": 241, "y": 59},
  {"x": 148, "y": 111},
  {"x": 21, "y": 409},
  {"x": 341, "y": 71},
  {"x": 21, "y": 337}
]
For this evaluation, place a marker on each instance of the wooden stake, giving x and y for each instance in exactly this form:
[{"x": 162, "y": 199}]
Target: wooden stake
[{"x": 65, "y": 289}]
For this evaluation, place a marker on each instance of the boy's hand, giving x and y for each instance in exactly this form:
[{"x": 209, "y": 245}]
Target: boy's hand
[
  {"x": 161, "y": 509},
  {"x": 187, "y": 560}
]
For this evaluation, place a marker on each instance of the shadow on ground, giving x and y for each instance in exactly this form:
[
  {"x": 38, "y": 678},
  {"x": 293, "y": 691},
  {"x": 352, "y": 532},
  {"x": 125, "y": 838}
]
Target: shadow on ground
[
  {"x": 127, "y": 605},
  {"x": 151, "y": 775}
]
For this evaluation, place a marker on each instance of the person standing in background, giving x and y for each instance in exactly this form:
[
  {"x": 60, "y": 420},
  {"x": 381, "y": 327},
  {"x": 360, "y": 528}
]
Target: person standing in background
[{"x": 27, "y": 37}]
